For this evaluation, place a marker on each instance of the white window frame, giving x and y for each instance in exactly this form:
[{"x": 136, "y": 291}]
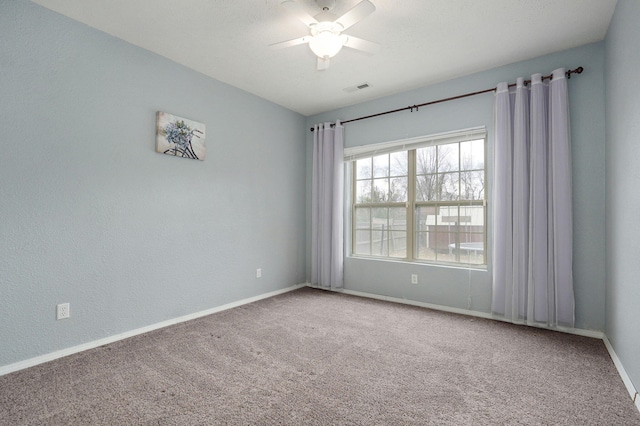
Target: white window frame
[{"x": 352, "y": 154}]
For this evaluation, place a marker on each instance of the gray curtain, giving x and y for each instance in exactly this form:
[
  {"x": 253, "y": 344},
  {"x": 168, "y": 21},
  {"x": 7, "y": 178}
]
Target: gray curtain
[
  {"x": 532, "y": 215},
  {"x": 327, "y": 206}
]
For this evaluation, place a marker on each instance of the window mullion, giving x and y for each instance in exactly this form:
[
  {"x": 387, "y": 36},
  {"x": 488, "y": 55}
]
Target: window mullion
[
  {"x": 458, "y": 224},
  {"x": 354, "y": 192},
  {"x": 411, "y": 197}
]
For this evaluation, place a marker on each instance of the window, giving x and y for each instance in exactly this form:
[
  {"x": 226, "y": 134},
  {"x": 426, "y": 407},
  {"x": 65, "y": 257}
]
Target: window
[{"x": 421, "y": 200}]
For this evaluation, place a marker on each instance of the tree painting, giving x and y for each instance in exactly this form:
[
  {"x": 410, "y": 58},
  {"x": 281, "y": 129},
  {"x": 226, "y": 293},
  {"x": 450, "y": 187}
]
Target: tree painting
[{"x": 179, "y": 137}]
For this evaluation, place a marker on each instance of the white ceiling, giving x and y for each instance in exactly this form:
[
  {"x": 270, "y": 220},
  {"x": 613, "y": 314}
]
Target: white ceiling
[{"x": 423, "y": 41}]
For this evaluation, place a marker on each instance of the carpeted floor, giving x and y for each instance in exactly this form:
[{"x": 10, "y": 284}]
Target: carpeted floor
[{"x": 315, "y": 357}]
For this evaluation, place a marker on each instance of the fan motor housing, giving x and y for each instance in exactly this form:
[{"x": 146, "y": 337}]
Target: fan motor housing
[{"x": 326, "y": 4}]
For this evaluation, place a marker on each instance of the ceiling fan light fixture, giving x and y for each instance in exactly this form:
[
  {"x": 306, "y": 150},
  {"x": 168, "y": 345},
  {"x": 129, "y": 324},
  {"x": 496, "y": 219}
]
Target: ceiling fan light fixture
[
  {"x": 325, "y": 28},
  {"x": 326, "y": 45}
]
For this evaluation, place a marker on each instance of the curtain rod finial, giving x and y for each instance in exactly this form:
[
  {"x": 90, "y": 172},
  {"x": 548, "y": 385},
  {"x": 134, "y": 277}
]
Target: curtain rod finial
[{"x": 576, "y": 71}]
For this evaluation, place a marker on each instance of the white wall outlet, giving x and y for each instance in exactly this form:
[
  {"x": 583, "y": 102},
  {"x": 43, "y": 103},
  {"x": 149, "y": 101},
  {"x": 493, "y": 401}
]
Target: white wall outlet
[
  {"x": 414, "y": 278},
  {"x": 63, "y": 311},
  {"x": 259, "y": 273}
]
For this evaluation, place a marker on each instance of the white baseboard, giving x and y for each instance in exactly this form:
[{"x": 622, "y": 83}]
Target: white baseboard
[
  {"x": 420, "y": 304},
  {"x": 469, "y": 312},
  {"x": 10, "y": 368},
  {"x": 633, "y": 392}
]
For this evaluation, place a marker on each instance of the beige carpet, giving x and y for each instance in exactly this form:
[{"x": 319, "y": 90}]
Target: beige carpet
[{"x": 314, "y": 357}]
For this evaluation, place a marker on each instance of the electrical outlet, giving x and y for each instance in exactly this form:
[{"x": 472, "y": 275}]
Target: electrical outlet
[
  {"x": 258, "y": 272},
  {"x": 414, "y": 278},
  {"x": 63, "y": 311}
]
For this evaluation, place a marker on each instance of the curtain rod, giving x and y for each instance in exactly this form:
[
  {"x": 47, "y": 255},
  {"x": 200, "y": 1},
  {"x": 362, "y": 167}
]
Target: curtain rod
[{"x": 417, "y": 107}]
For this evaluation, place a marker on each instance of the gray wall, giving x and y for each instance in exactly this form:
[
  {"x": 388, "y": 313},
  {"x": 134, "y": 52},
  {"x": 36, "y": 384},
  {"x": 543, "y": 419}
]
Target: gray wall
[
  {"x": 453, "y": 287},
  {"x": 91, "y": 215},
  {"x": 623, "y": 185}
]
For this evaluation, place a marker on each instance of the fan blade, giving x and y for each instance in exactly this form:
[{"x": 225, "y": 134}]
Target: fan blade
[
  {"x": 356, "y": 14},
  {"x": 297, "y": 10},
  {"x": 323, "y": 64},
  {"x": 289, "y": 43},
  {"x": 364, "y": 45}
]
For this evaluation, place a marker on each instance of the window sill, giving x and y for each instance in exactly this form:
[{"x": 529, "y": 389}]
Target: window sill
[{"x": 466, "y": 267}]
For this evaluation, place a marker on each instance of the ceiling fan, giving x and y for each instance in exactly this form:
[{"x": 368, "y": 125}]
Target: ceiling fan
[{"x": 325, "y": 30}]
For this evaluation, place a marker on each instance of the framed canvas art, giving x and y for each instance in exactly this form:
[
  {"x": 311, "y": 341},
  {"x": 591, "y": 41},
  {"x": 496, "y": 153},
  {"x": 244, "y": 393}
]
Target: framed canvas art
[{"x": 179, "y": 136}]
